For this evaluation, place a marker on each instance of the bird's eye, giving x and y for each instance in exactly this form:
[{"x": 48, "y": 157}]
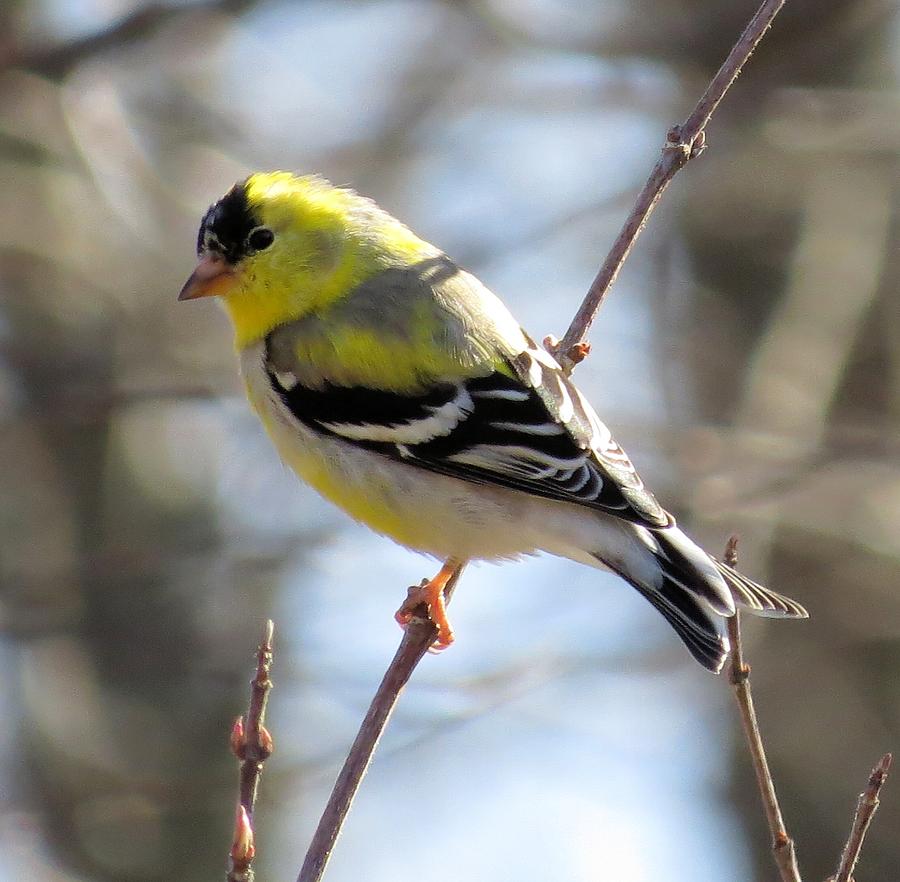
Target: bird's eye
[
  {"x": 261, "y": 238},
  {"x": 209, "y": 241}
]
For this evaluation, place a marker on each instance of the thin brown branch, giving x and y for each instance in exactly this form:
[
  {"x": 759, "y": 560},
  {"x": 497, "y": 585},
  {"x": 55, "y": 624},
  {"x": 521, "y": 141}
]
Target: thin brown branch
[
  {"x": 417, "y": 638},
  {"x": 252, "y": 744},
  {"x": 739, "y": 676},
  {"x": 866, "y": 807},
  {"x": 683, "y": 143}
]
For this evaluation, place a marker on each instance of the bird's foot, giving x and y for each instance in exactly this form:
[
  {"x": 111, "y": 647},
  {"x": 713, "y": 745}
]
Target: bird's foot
[{"x": 430, "y": 594}]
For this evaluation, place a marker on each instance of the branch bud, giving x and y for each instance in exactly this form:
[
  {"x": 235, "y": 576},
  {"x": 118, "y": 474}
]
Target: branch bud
[
  {"x": 237, "y": 740},
  {"x": 265, "y": 745},
  {"x": 243, "y": 847}
]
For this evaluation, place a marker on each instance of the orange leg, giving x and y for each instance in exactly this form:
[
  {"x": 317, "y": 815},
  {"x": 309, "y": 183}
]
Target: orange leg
[{"x": 431, "y": 594}]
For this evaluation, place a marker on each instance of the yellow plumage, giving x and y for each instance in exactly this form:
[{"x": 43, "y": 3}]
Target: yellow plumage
[
  {"x": 322, "y": 258},
  {"x": 401, "y": 389}
]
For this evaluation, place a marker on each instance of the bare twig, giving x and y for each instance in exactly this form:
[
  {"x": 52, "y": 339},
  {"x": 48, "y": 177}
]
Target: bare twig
[
  {"x": 417, "y": 638},
  {"x": 739, "y": 675},
  {"x": 683, "y": 143},
  {"x": 252, "y": 744},
  {"x": 866, "y": 807}
]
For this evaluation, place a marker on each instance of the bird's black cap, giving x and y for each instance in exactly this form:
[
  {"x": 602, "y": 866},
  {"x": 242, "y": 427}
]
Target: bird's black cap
[{"x": 227, "y": 224}]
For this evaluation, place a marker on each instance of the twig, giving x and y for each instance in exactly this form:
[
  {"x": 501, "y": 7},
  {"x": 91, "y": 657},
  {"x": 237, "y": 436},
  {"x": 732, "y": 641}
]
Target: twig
[
  {"x": 683, "y": 143},
  {"x": 739, "y": 675},
  {"x": 252, "y": 744},
  {"x": 417, "y": 638},
  {"x": 866, "y": 807}
]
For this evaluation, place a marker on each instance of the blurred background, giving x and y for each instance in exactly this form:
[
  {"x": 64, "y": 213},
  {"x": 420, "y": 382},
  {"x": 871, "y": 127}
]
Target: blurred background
[{"x": 748, "y": 359}]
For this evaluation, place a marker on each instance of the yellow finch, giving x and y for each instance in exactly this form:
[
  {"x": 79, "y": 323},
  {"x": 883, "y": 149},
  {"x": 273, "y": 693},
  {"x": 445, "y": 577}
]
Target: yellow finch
[{"x": 402, "y": 389}]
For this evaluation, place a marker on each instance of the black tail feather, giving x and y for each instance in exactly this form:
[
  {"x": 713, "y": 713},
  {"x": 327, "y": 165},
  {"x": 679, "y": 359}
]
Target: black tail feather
[
  {"x": 699, "y": 629},
  {"x": 697, "y": 594}
]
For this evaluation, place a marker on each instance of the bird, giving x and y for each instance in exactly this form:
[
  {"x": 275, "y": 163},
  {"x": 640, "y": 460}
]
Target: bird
[{"x": 399, "y": 387}]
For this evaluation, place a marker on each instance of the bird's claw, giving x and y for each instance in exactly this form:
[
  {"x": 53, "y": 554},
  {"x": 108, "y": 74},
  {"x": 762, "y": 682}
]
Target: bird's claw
[{"x": 430, "y": 594}]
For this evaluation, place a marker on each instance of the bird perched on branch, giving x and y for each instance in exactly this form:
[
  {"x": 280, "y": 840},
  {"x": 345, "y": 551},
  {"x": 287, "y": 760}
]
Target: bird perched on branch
[{"x": 403, "y": 390}]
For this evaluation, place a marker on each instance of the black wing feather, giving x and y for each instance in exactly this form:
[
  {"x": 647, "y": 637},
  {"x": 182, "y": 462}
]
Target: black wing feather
[{"x": 497, "y": 430}]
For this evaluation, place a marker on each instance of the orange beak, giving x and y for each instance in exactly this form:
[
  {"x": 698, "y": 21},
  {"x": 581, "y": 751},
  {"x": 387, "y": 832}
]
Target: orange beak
[{"x": 213, "y": 277}]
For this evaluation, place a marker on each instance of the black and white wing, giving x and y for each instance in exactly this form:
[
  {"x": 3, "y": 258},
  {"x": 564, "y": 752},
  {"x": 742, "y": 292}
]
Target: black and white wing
[{"x": 523, "y": 426}]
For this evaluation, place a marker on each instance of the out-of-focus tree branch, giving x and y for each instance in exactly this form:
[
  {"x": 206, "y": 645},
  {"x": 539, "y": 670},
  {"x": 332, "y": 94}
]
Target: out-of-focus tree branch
[{"x": 56, "y": 61}]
